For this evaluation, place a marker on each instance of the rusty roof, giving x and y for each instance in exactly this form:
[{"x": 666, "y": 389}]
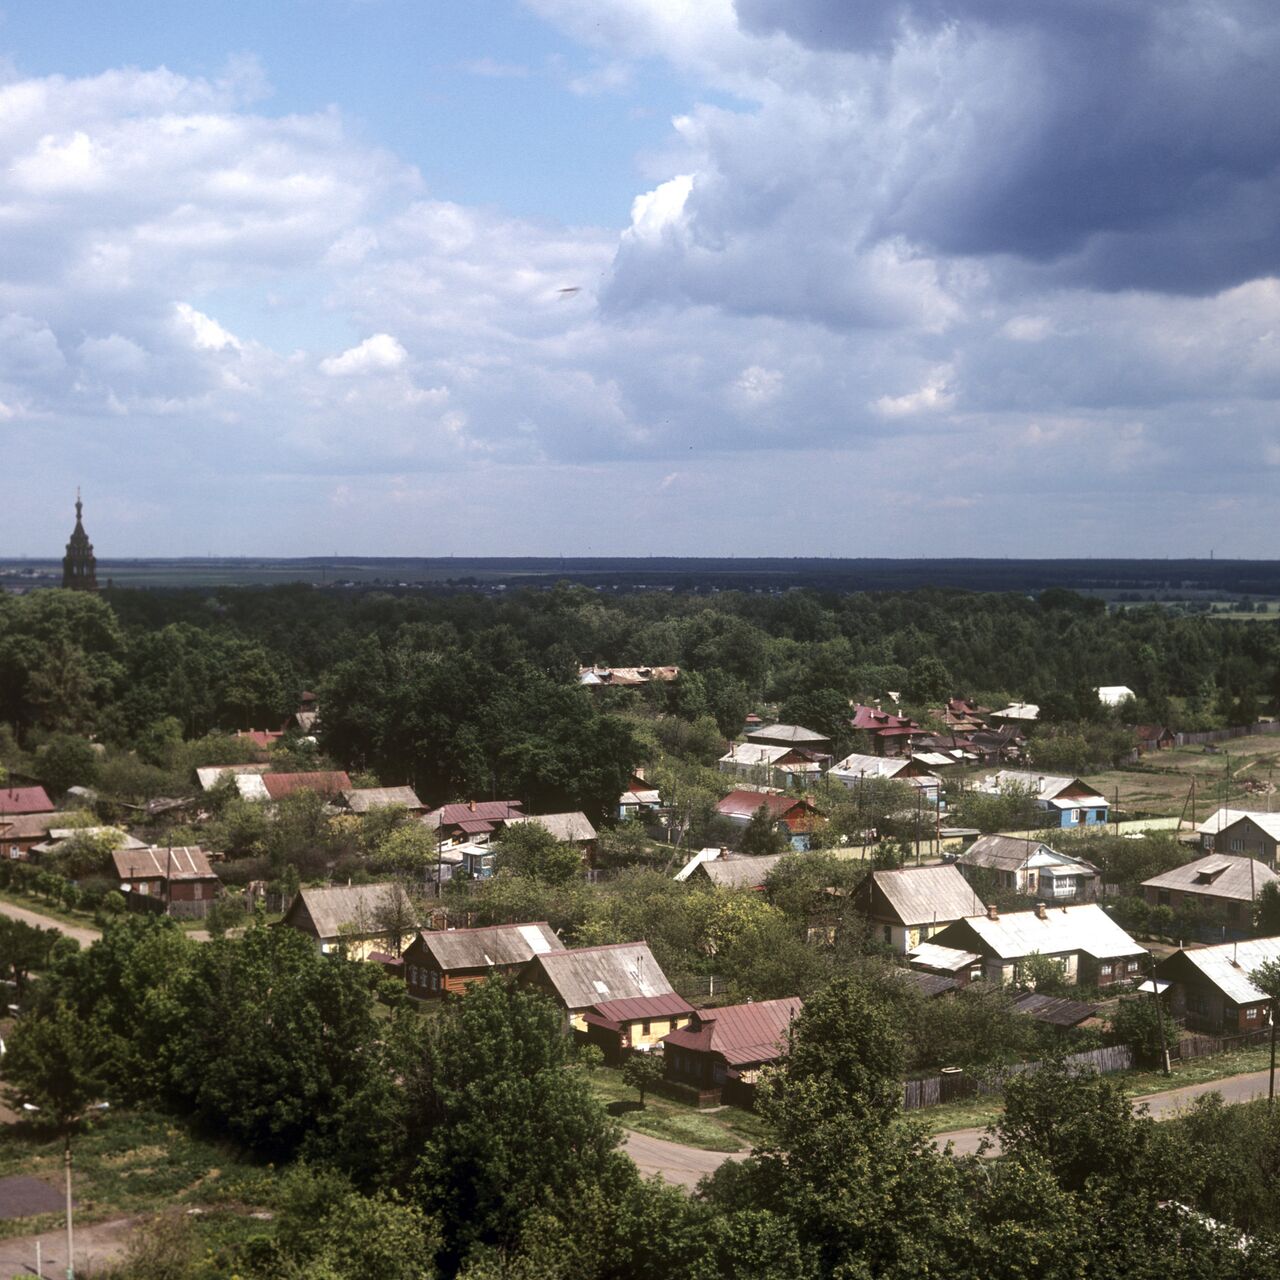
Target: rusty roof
[
  {"x": 613, "y": 1013},
  {"x": 366, "y": 799},
  {"x": 744, "y": 804},
  {"x": 740, "y": 1033},
  {"x": 178, "y": 863},
  {"x": 452, "y": 815},
  {"x": 326, "y": 783}
]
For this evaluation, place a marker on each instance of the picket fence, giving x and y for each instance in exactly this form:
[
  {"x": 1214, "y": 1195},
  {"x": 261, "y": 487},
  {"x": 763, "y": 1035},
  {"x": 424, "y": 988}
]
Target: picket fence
[{"x": 958, "y": 1084}]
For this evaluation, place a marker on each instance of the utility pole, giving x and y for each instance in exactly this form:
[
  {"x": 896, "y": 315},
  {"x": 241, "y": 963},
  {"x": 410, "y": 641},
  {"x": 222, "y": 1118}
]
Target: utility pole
[{"x": 1155, "y": 995}]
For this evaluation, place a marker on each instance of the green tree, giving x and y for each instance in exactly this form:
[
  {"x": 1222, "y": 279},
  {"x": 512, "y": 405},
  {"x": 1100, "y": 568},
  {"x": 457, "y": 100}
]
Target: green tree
[
  {"x": 54, "y": 1063},
  {"x": 1266, "y": 977},
  {"x": 1266, "y": 916},
  {"x": 410, "y": 850},
  {"x": 1137, "y": 1022},
  {"x": 1044, "y": 974},
  {"x": 761, "y": 835},
  {"x": 641, "y": 1071},
  {"x": 529, "y": 849},
  {"x": 66, "y": 761}
]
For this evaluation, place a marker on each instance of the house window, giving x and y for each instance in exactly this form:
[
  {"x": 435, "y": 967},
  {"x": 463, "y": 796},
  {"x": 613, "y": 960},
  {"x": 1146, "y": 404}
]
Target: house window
[
  {"x": 1237, "y": 846},
  {"x": 1251, "y": 1013},
  {"x": 1132, "y": 966},
  {"x": 1105, "y": 970},
  {"x": 143, "y": 888},
  {"x": 644, "y": 1027},
  {"x": 888, "y": 933},
  {"x": 1075, "y": 815},
  {"x": 413, "y": 975},
  {"x": 435, "y": 981},
  {"x": 197, "y": 892},
  {"x": 1164, "y": 897}
]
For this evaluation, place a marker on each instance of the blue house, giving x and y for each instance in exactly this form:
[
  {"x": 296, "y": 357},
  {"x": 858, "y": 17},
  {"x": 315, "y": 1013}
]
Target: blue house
[{"x": 1066, "y": 802}]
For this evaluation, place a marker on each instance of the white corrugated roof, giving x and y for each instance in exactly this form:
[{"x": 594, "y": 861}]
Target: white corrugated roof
[
  {"x": 1217, "y": 876},
  {"x": 1223, "y": 818},
  {"x": 930, "y": 955},
  {"x": 1229, "y": 964},
  {"x": 1084, "y": 928},
  {"x": 1112, "y": 695},
  {"x": 857, "y": 765}
]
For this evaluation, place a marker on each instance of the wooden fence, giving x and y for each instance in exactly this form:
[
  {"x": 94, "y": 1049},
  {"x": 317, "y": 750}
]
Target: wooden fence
[
  {"x": 958, "y": 1084},
  {"x": 1224, "y": 735},
  {"x": 1206, "y": 1046}
]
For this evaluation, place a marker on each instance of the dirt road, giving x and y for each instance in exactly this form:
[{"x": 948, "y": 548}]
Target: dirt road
[
  {"x": 81, "y": 933},
  {"x": 684, "y": 1166},
  {"x": 95, "y": 1245}
]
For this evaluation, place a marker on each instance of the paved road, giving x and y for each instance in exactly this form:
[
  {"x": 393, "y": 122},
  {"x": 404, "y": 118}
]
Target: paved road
[
  {"x": 82, "y": 934},
  {"x": 685, "y": 1166},
  {"x": 1162, "y": 1106}
]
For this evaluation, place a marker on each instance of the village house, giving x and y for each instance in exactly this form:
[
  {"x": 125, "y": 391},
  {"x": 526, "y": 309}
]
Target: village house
[
  {"x": 772, "y": 766},
  {"x": 887, "y": 734},
  {"x": 261, "y": 740},
  {"x": 1243, "y": 831},
  {"x": 625, "y": 677},
  {"x": 209, "y": 776},
  {"x": 791, "y": 735},
  {"x": 579, "y": 979},
  {"x": 720, "y": 1052},
  {"x": 1018, "y": 713},
  {"x": 1112, "y": 695},
  {"x": 1064, "y": 802},
  {"x": 1210, "y": 988},
  {"x": 853, "y": 770},
  {"x": 21, "y": 832},
  {"x": 1092, "y": 948},
  {"x": 59, "y": 836},
  {"x": 1220, "y": 882},
  {"x": 725, "y": 869},
  {"x": 620, "y": 1027},
  {"x": 351, "y": 920},
  {"x": 362, "y": 800},
  {"x": 793, "y": 817},
  {"x": 962, "y": 714},
  {"x": 15, "y": 801},
  {"x": 640, "y": 800},
  {"x": 1032, "y": 868},
  {"x": 331, "y": 784},
  {"x": 179, "y": 879},
  {"x": 1155, "y": 737},
  {"x": 471, "y": 821},
  {"x": 908, "y": 906},
  {"x": 569, "y": 828},
  {"x": 447, "y": 961}
]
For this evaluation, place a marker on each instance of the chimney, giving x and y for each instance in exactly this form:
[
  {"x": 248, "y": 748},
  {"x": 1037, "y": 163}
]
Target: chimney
[
  {"x": 1041, "y": 911},
  {"x": 993, "y": 912},
  {"x": 639, "y": 772},
  {"x": 471, "y": 804}
]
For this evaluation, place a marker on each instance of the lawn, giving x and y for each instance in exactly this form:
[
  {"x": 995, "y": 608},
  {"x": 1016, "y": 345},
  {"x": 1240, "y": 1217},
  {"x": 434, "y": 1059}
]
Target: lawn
[
  {"x": 718, "y": 1129},
  {"x": 134, "y": 1163},
  {"x": 43, "y": 907}
]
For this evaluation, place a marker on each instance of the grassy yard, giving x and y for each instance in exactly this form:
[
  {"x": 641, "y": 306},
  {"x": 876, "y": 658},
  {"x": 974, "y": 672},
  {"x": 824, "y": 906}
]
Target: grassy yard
[
  {"x": 43, "y": 907},
  {"x": 135, "y": 1163},
  {"x": 721, "y": 1129},
  {"x": 975, "y": 1113}
]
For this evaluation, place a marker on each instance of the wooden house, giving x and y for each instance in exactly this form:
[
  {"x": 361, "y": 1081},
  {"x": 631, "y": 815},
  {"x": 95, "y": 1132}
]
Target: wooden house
[
  {"x": 790, "y": 735},
  {"x": 21, "y": 832},
  {"x": 1210, "y": 988},
  {"x": 1063, "y": 802},
  {"x": 794, "y": 817},
  {"x": 1155, "y": 737},
  {"x": 180, "y": 879},
  {"x": 1092, "y": 948},
  {"x": 447, "y": 961},
  {"x": 21, "y": 800},
  {"x": 1219, "y": 881},
  {"x": 908, "y": 906},
  {"x": 362, "y": 800},
  {"x": 620, "y": 1027},
  {"x": 641, "y": 799},
  {"x": 579, "y": 979},
  {"x": 472, "y": 821},
  {"x": 348, "y": 919},
  {"x": 727, "y": 870},
  {"x": 569, "y": 828},
  {"x": 1032, "y": 868},
  {"x": 853, "y": 771},
  {"x": 886, "y": 733},
  {"x": 962, "y": 967},
  {"x": 720, "y": 1052},
  {"x": 1249, "y": 832},
  {"x": 772, "y": 766}
]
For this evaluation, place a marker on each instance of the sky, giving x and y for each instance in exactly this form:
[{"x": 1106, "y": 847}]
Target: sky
[{"x": 640, "y": 277}]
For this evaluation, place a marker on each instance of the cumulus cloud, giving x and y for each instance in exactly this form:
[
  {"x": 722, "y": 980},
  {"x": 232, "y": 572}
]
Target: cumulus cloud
[{"x": 376, "y": 354}]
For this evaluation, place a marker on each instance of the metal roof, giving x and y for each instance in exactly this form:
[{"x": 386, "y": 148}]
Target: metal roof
[
  {"x": 744, "y": 804},
  {"x": 752, "y": 754},
  {"x": 490, "y": 946},
  {"x": 450, "y": 815},
  {"x": 1228, "y": 966},
  {"x": 927, "y": 984},
  {"x": 1044, "y": 785},
  {"x": 926, "y": 895},
  {"x": 17, "y": 800},
  {"x": 793, "y": 733},
  {"x": 571, "y": 828},
  {"x": 862, "y": 765},
  {"x": 210, "y": 775},
  {"x": 613, "y": 1013},
  {"x": 325, "y": 782},
  {"x": 366, "y": 799},
  {"x": 179, "y": 863},
  {"x": 929, "y": 955},
  {"x": 741, "y": 1033},
  {"x": 1224, "y": 818},
  {"x": 742, "y": 873},
  {"x": 584, "y": 976},
  {"x": 1055, "y": 1010},
  {"x": 1217, "y": 876},
  {"x": 1059, "y": 931},
  {"x": 333, "y": 907},
  {"x": 1012, "y": 853}
]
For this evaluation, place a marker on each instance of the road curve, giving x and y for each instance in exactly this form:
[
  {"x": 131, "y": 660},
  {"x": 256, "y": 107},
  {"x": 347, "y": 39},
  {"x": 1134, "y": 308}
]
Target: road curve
[
  {"x": 684, "y": 1166},
  {"x": 83, "y": 935}
]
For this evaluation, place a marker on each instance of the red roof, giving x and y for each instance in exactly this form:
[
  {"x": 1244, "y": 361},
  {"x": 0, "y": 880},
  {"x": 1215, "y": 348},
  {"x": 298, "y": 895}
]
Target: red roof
[
  {"x": 740, "y": 1033},
  {"x": 261, "y": 737},
  {"x": 876, "y": 721},
  {"x": 285, "y": 784},
  {"x": 453, "y": 815},
  {"x": 25, "y": 800},
  {"x": 613, "y": 1013},
  {"x": 744, "y": 804}
]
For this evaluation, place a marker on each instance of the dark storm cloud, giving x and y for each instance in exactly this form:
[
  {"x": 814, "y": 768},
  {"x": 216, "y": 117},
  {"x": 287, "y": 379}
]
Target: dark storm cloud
[{"x": 1119, "y": 144}]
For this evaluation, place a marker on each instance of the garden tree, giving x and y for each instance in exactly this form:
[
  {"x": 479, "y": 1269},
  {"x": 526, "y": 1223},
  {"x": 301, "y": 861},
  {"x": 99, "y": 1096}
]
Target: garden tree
[
  {"x": 54, "y": 1063},
  {"x": 66, "y": 761},
  {"x": 855, "y": 813},
  {"x": 297, "y": 832},
  {"x": 24, "y": 947},
  {"x": 767, "y": 959},
  {"x": 823, "y": 710},
  {"x": 628, "y": 845},
  {"x": 761, "y": 835},
  {"x": 86, "y": 853},
  {"x": 241, "y": 826},
  {"x": 1139, "y": 1023},
  {"x": 396, "y": 916},
  {"x": 1129, "y": 862},
  {"x": 372, "y": 828},
  {"x": 641, "y": 1071},
  {"x": 811, "y": 890},
  {"x": 928, "y": 681},
  {"x": 225, "y": 913},
  {"x": 1266, "y": 912},
  {"x": 411, "y": 850},
  {"x": 1044, "y": 974},
  {"x": 528, "y": 849},
  {"x": 890, "y": 854},
  {"x": 975, "y": 1029},
  {"x": 501, "y": 1051},
  {"x": 1012, "y": 809}
]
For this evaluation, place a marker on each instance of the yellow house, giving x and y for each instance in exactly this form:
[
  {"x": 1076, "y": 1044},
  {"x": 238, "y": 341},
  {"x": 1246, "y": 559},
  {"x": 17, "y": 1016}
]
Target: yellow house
[
  {"x": 620, "y": 1026},
  {"x": 354, "y": 920}
]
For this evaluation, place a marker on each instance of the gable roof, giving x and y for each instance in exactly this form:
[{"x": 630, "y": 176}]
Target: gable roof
[
  {"x": 584, "y": 976},
  {"x": 877, "y": 721},
  {"x": 488, "y": 947},
  {"x": 178, "y": 863},
  {"x": 615, "y": 1013},
  {"x": 210, "y": 775},
  {"x": 1224, "y": 818},
  {"x": 367, "y": 799},
  {"x": 929, "y": 955},
  {"x": 1044, "y": 786},
  {"x": 473, "y": 812},
  {"x": 333, "y": 906},
  {"x": 744, "y": 804},
  {"x": 326, "y": 783},
  {"x": 17, "y": 800},
  {"x": 1011, "y": 853},
  {"x": 742, "y": 1034},
  {"x": 741, "y": 873},
  {"x": 796, "y": 734},
  {"x": 1058, "y": 1011},
  {"x": 859, "y": 764},
  {"x": 569, "y": 828},
  {"x": 923, "y": 895},
  {"x": 1217, "y": 876},
  {"x": 1060, "y": 930},
  {"x": 27, "y": 826},
  {"x": 1227, "y": 966},
  {"x": 761, "y": 755}
]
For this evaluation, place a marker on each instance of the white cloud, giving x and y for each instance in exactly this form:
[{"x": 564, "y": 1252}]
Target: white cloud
[
  {"x": 206, "y": 333},
  {"x": 377, "y": 354},
  {"x": 933, "y": 397}
]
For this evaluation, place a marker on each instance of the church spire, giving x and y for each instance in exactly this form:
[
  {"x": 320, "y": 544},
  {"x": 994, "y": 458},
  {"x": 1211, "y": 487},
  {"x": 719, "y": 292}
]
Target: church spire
[{"x": 79, "y": 565}]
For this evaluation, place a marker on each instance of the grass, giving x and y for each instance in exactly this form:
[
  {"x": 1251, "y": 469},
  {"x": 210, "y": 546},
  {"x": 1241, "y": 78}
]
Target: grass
[
  {"x": 721, "y": 1129},
  {"x": 976, "y": 1113},
  {"x": 129, "y": 1163},
  {"x": 42, "y": 907}
]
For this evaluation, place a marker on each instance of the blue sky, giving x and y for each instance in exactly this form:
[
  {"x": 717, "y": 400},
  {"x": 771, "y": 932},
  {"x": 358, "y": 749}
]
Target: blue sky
[{"x": 641, "y": 276}]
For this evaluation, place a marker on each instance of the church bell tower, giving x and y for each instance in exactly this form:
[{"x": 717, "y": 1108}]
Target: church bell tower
[{"x": 79, "y": 567}]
